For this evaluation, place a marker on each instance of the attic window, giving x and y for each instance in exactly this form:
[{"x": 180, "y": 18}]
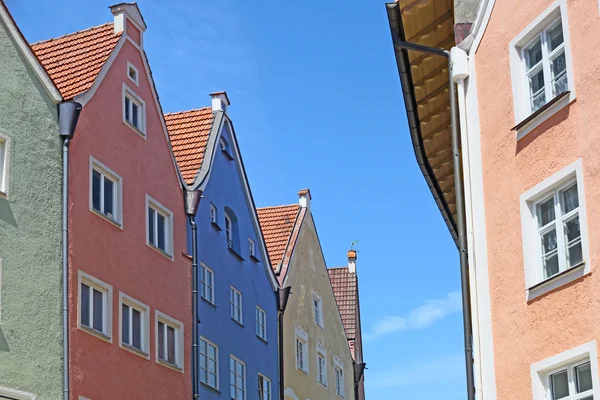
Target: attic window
[
  {"x": 224, "y": 146},
  {"x": 132, "y": 73}
]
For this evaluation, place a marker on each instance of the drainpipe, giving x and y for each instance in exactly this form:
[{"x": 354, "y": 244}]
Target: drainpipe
[
  {"x": 192, "y": 201},
  {"x": 460, "y": 214},
  {"x": 68, "y": 115},
  {"x": 359, "y": 370},
  {"x": 283, "y": 294}
]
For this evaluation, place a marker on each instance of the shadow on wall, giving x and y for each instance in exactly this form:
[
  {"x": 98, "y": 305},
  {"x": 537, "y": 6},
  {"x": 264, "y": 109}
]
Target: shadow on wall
[
  {"x": 6, "y": 213},
  {"x": 3, "y": 343}
]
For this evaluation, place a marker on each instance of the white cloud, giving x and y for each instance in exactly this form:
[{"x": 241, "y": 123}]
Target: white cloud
[{"x": 420, "y": 317}]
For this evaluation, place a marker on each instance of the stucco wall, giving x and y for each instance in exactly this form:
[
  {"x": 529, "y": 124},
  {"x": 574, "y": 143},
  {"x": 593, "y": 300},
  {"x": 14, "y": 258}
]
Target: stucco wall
[
  {"x": 30, "y": 232},
  {"x": 225, "y": 189},
  {"x": 465, "y": 11},
  {"x": 307, "y": 273},
  {"x": 525, "y": 333}
]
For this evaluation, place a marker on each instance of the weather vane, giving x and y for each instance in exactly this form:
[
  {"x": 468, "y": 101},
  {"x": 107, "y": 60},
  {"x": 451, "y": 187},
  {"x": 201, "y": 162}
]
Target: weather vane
[{"x": 353, "y": 243}]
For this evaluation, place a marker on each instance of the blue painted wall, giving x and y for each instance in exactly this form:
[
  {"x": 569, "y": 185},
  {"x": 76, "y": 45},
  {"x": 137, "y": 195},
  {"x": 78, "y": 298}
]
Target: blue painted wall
[{"x": 225, "y": 189}]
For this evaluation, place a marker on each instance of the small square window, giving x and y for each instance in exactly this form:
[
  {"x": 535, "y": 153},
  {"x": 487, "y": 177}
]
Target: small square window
[
  {"x": 237, "y": 371},
  {"x": 169, "y": 341},
  {"x": 132, "y": 73},
  {"x": 235, "y": 300},
  {"x": 318, "y": 310},
  {"x": 134, "y": 323},
  {"x": 159, "y": 227},
  {"x": 261, "y": 323},
  {"x": 207, "y": 281},
  {"x": 209, "y": 363},
  {"x": 251, "y": 247},
  {"x": 134, "y": 111},
  {"x": 105, "y": 192},
  {"x": 95, "y": 306},
  {"x": 264, "y": 388}
]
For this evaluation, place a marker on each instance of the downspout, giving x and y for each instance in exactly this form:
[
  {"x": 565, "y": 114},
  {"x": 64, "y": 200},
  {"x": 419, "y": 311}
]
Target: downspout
[
  {"x": 68, "y": 115},
  {"x": 460, "y": 215},
  {"x": 283, "y": 294},
  {"x": 192, "y": 201}
]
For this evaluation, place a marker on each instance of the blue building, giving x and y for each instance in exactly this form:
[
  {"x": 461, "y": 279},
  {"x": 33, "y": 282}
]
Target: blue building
[{"x": 237, "y": 306}]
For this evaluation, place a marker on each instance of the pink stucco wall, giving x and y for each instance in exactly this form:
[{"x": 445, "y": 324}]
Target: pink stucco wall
[
  {"x": 121, "y": 258},
  {"x": 523, "y": 332}
]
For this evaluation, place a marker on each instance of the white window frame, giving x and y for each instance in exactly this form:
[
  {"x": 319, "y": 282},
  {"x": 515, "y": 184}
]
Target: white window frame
[
  {"x": 204, "y": 271},
  {"x": 4, "y": 164},
  {"x": 237, "y": 361},
  {"x": 321, "y": 353},
  {"x": 251, "y": 247},
  {"x": 131, "y": 67},
  {"x": 214, "y": 215},
  {"x": 107, "y": 290},
  {"x": 144, "y": 310},
  {"x": 262, "y": 391},
  {"x": 261, "y": 311},
  {"x": 168, "y": 214},
  {"x": 301, "y": 337},
  {"x": 541, "y": 370},
  {"x": 209, "y": 343},
  {"x": 233, "y": 306},
  {"x": 520, "y": 85},
  {"x": 128, "y": 92},
  {"x": 229, "y": 231},
  {"x": 106, "y": 172},
  {"x": 318, "y": 313},
  {"x": 179, "y": 341},
  {"x": 536, "y": 285},
  {"x": 340, "y": 390}
]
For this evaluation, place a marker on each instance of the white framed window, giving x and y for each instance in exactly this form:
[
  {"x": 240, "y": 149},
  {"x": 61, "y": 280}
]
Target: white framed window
[
  {"x": 209, "y": 363},
  {"x": 207, "y": 283},
  {"x": 159, "y": 227},
  {"x": 169, "y": 341},
  {"x": 106, "y": 192},
  {"x": 339, "y": 377},
  {"x": 213, "y": 213},
  {"x": 264, "y": 387},
  {"x": 134, "y": 111},
  {"x": 261, "y": 323},
  {"x": 321, "y": 364},
  {"x": 301, "y": 349},
  {"x": 95, "y": 306},
  {"x": 235, "y": 301},
  {"x": 4, "y": 163},
  {"x": 555, "y": 240},
  {"x": 541, "y": 68},
  {"x": 570, "y": 375},
  {"x": 318, "y": 309},
  {"x": 251, "y": 247},
  {"x": 237, "y": 373},
  {"x": 229, "y": 230},
  {"x": 132, "y": 73},
  {"x": 134, "y": 325}
]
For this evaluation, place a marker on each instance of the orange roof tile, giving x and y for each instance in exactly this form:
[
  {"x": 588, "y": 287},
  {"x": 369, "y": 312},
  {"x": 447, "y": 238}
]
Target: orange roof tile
[
  {"x": 74, "y": 61},
  {"x": 277, "y": 224},
  {"x": 345, "y": 290},
  {"x": 189, "y": 131}
]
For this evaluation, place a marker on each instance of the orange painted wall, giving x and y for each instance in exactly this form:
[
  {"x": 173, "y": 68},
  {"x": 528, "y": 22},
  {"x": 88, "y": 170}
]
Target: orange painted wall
[
  {"x": 121, "y": 258},
  {"x": 523, "y": 332}
]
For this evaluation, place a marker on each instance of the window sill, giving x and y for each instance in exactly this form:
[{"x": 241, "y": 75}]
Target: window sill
[
  {"x": 208, "y": 301},
  {"x": 226, "y": 153},
  {"x": 214, "y": 389},
  {"x": 301, "y": 370},
  {"x": 3, "y": 195},
  {"x": 169, "y": 365},
  {"x": 557, "y": 281},
  {"x": 135, "y": 350},
  {"x": 238, "y": 322},
  {"x": 253, "y": 258},
  {"x": 107, "y": 219},
  {"x": 93, "y": 332},
  {"x": 216, "y": 226},
  {"x": 323, "y": 386},
  {"x": 162, "y": 252},
  {"x": 262, "y": 339},
  {"x": 232, "y": 250},
  {"x": 135, "y": 129},
  {"x": 543, "y": 114}
]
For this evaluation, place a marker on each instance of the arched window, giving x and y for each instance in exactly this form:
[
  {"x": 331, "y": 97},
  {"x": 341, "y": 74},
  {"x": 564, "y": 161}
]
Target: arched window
[{"x": 231, "y": 230}]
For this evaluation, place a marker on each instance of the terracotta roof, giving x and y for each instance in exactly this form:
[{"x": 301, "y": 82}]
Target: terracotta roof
[
  {"x": 277, "y": 224},
  {"x": 345, "y": 290},
  {"x": 74, "y": 61},
  {"x": 189, "y": 131}
]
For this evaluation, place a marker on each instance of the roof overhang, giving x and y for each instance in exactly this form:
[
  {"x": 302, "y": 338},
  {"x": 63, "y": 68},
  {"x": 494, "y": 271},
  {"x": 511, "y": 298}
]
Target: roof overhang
[{"x": 424, "y": 79}]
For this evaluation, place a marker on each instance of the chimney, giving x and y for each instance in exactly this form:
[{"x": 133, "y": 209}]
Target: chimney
[
  {"x": 352, "y": 261},
  {"x": 220, "y": 101},
  {"x": 304, "y": 198},
  {"x": 128, "y": 18}
]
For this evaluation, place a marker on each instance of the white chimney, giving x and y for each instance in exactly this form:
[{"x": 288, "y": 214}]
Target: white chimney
[
  {"x": 129, "y": 11},
  {"x": 220, "y": 101},
  {"x": 352, "y": 261},
  {"x": 304, "y": 198}
]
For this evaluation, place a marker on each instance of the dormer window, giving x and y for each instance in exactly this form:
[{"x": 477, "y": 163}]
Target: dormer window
[
  {"x": 132, "y": 73},
  {"x": 134, "y": 111}
]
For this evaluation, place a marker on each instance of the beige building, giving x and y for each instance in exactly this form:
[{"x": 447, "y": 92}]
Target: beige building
[{"x": 316, "y": 356}]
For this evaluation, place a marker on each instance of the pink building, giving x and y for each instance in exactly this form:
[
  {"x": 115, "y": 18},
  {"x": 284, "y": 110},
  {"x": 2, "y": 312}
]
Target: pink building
[{"x": 129, "y": 276}]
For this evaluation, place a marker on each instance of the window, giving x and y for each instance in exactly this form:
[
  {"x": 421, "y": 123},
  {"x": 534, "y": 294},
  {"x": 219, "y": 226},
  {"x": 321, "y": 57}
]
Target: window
[
  {"x": 237, "y": 372},
  {"x": 213, "y": 214},
  {"x": 339, "y": 377},
  {"x": 207, "y": 280},
  {"x": 251, "y": 247},
  {"x": 235, "y": 299},
  {"x": 134, "y": 323},
  {"x": 301, "y": 349},
  {"x": 223, "y": 145},
  {"x": 261, "y": 323},
  {"x": 571, "y": 382},
  {"x": 318, "y": 309},
  {"x": 231, "y": 230},
  {"x": 209, "y": 363},
  {"x": 264, "y": 388},
  {"x": 321, "y": 365},
  {"x": 134, "y": 114},
  {"x": 132, "y": 73},
  {"x": 105, "y": 192},
  {"x": 4, "y": 145},
  {"x": 159, "y": 226},
  {"x": 169, "y": 341},
  {"x": 555, "y": 245},
  {"x": 95, "y": 306}
]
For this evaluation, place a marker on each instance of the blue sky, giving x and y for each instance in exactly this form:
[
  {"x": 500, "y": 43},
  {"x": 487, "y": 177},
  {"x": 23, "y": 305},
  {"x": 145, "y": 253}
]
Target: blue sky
[{"x": 316, "y": 102}]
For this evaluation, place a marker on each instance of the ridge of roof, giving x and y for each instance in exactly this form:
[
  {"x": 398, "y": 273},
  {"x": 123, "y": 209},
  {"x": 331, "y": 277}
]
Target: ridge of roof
[
  {"x": 282, "y": 206},
  {"x": 346, "y": 267},
  {"x": 188, "y": 111},
  {"x": 72, "y": 33}
]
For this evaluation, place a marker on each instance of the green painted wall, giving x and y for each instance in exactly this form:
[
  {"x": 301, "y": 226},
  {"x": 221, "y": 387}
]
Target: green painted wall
[{"x": 30, "y": 232}]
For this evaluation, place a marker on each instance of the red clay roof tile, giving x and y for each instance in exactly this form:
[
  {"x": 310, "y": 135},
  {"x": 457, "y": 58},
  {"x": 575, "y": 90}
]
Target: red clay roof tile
[
  {"x": 277, "y": 224},
  {"x": 345, "y": 290}
]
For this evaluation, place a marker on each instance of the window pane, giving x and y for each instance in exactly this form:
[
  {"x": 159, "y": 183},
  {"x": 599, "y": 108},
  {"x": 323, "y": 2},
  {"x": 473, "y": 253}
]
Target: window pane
[
  {"x": 212, "y": 380},
  {"x": 551, "y": 265},
  {"x": 96, "y": 190},
  {"x": 161, "y": 232},
  {"x": 559, "y": 74},
  {"x": 561, "y": 85},
  {"x": 171, "y": 344},
  {"x": 572, "y": 229},
  {"x": 127, "y": 107},
  {"x": 125, "y": 323},
  {"x": 151, "y": 213},
  {"x": 575, "y": 254},
  {"x": 108, "y": 197},
  {"x": 134, "y": 115},
  {"x": 546, "y": 212},
  {"x": 161, "y": 340},
  {"x": 533, "y": 54},
  {"x": 136, "y": 329},
  {"x": 536, "y": 82},
  {"x": 560, "y": 385},
  {"x": 85, "y": 304},
  {"x": 98, "y": 298},
  {"x": 570, "y": 199},
  {"x": 583, "y": 374},
  {"x": 549, "y": 241},
  {"x": 203, "y": 373},
  {"x": 555, "y": 37}
]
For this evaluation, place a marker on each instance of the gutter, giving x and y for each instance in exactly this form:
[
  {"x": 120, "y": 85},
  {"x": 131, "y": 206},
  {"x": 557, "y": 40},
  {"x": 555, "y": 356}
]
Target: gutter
[
  {"x": 283, "y": 294},
  {"x": 68, "y": 115}
]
